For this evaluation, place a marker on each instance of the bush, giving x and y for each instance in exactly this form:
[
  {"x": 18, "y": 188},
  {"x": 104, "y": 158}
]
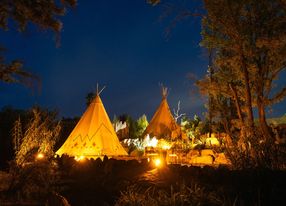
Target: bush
[
  {"x": 33, "y": 182},
  {"x": 258, "y": 154}
]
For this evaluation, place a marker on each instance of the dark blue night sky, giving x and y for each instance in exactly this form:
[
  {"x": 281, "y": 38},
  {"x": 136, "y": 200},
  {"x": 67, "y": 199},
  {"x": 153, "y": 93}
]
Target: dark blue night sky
[{"x": 120, "y": 44}]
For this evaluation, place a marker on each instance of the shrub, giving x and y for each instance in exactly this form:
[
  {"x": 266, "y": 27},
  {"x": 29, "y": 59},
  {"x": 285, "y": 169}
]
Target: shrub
[
  {"x": 258, "y": 154},
  {"x": 33, "y": 181}
]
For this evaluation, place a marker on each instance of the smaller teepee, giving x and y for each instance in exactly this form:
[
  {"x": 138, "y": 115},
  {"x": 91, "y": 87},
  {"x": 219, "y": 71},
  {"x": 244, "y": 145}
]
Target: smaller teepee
[
  {"x": 163, "y": 123},
  {"x": 93, "y": 135}
]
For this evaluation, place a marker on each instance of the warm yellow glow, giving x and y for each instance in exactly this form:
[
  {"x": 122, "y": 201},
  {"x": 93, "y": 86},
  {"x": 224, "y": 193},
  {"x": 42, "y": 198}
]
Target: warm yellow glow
[
  {"x": 163, "y": 144},
  {"x": 40, "y": 156},
  {"x": 172, "y": 155},
  {"x": 97, "y": 132},
  {"x": 151, "y": 142},
  {"x": 157, "y": 162},
  {"x": 212, "y": 141},
  {"x": 166, "y": 146},
  {"x": 80, "y": 158}
]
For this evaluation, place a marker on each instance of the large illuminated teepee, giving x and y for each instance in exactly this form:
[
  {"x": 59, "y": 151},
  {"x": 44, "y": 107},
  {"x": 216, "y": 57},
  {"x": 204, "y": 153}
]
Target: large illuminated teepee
[
  {"x": 163, "y": 124},
  {"x": 93, "y": 136}
]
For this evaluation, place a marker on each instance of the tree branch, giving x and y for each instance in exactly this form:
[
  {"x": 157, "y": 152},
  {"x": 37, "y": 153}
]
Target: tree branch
[{"x": 278, "y": 97}]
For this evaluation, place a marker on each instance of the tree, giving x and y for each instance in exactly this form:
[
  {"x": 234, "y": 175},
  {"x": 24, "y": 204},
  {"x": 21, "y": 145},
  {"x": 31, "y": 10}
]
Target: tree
[
  {"x": 222, "y": 31},
  {"x": 227, "y": 97},
  {"x": 8, "y": 117},
  {"x": 267, "y": 50},
  {"x": 131, "y": 125},
  {"x": 141, "y": 125},
  {"x": 153, "y": 2},
  {"x": 134, "y": 128},
  {"x": 13, "y": 73},
  {"x": 42, "y": 13},
  {"x": 17, "y": 134},
  {"x": 40, "y": 136},
  {"x": 89, "y": 97},
  {"x": 250, "y": 40}
]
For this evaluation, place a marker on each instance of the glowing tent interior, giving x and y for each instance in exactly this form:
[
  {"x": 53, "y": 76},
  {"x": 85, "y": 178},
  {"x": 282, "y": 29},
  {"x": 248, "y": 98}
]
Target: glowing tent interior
[
  {"x": 163, "y": 123},
  {"x": 93, "y": 136}
]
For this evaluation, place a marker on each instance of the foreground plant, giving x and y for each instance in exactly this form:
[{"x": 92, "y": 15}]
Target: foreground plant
[
  {"x": 33, "y": 171},
  {"x": 180, "y": 195},
  {"x": 39, "y": 137}
]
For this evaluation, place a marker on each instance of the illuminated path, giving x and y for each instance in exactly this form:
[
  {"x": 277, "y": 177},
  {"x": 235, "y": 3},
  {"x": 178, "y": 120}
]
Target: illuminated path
[{"x": 158, "y": 176}]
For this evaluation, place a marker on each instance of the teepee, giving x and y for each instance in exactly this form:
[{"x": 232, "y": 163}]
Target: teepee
[
  {"x": 163, "y": 123},
  {"x": 93, "y": 136}
]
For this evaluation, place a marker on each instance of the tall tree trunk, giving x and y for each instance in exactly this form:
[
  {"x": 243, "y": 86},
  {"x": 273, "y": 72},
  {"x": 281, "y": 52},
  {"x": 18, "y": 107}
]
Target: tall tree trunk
[
  {"x": 248, "y": 97},
  {"x": 238, "y": 109},
  {"x": 262, "y": 117},
  {"x": 211, "y": 71},
  {"x": 237, "y": 105},
  {"x": 260, "y": 85},
  {"x": 225, "y": 126}
]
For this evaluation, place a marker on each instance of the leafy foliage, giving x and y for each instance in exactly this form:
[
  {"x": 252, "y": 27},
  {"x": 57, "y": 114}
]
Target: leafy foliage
[
  {"x": 40, "y": 136},
  {"x": 89, "y": 97},
  {"x": 13, "y": 73},
  {"x": 258, "y": 155},
  {"x": 17, "y": 134},
  {"x": 32, "y": 182},
  {"x": 153, "y": 2},
  {"x": 42, "y": 13},
  {"x": 191, "y": 127},
  {"x": 248, "y": 58},
  {"x": 135, "y": 128},
  {"x": 141, "y": 125}
]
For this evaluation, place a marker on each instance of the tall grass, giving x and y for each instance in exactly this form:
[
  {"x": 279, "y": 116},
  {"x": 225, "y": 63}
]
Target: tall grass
[{"x": 135, "y": 195}]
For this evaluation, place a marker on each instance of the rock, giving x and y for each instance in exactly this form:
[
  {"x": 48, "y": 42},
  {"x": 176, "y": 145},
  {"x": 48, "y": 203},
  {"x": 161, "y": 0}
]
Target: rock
[
  {"x": 193, "y": 152},
  {"x": 221, "y": 159},
  {"x": 206, "y": 152},
  {"x": 202, "y": 160}
]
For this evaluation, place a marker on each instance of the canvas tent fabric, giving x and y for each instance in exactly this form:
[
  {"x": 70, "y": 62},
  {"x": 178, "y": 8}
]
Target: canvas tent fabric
[
  {"x": 163, "y": 124},
  {"x": 93, "y": 136}
]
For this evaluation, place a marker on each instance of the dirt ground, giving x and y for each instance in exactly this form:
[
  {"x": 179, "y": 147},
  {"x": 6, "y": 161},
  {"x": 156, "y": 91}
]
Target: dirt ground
[
  {"x": 102, "y": 184},
  {"x": 96, "y": 182}
]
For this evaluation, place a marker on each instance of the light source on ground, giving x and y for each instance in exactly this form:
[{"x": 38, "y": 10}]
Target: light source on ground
[
  {"x": 80, "y": 158},
  {"x": 157, "y": 162},
  {"x": 40, "y": 156}
]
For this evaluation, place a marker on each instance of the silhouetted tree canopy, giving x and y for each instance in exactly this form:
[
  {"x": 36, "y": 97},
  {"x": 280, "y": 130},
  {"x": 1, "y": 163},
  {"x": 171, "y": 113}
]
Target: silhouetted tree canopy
[
  {"x": 45, "y": 14},
  {"x": 248, "y": 40}
]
